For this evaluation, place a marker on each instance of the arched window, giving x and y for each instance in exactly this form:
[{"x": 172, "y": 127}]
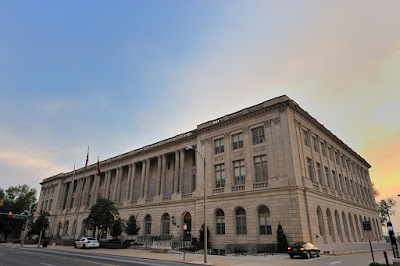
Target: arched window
[
  {"x": 165, "y": 224},
  {"x": 338, "y": 226},
  {"x": 147, "y": 225},
  {"x": 356, "y": 224},
  {"x": 73, "y": 232},
  {"x": 66, "y": 224},
  {"x": 241, "y": 228},
  {"x": 220, "y": 220},
  {"x": 321, "y": 223},
  {"x": 346, "y": 228},
  {"x": 353, "y": 232},
  {"x": 264, "y": 221},
  {"x": 330, "y": 225}
]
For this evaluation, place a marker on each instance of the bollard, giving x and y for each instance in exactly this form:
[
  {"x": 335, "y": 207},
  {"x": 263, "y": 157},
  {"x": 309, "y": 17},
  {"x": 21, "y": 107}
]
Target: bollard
[{"x": 386, "y": 257}]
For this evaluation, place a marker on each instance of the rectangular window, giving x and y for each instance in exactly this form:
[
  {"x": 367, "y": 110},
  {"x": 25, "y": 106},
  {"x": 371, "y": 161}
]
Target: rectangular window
[
  {"x": 315, "y": 144},
  {"x": 310, "y": 169},
  {"x": 258, "y": 135},
  {"x": 328, "y": 178},
  {"x": 337, "y": 158},
  {"x": 237, "y": 141},
  {"x": 323, "y": 148},
  {"x": 335, "y": 181},
  {"x": 319, "y": 173},
  {"x": 219, "y": 145},
  {"x": 260, "y": 168},
  {"x": 239, "y": 172},
  {"x": 347, "y": 185},
  {"x": 342, "y": 184},
  {"x": 352, "y": 188},
  {"x": 343, "y": 162},
  {"x": 219, "y": 175},
  {"x": 330, "y": 153},
  {"x": 306, "y": 137}
]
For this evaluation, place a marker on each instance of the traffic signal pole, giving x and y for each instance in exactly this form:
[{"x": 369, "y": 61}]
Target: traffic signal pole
[{"x": 25, "y": 232}]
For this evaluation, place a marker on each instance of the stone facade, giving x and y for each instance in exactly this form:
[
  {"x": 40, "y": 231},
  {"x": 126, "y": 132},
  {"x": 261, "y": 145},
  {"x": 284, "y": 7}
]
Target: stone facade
[{"x": 264, "y": 165}]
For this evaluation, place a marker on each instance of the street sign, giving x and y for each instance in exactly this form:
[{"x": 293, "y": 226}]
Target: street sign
[
  {"x": 366, "y": 226},
  {"x": 20, "y": 216},
  {"x": 368, "y": 235}
]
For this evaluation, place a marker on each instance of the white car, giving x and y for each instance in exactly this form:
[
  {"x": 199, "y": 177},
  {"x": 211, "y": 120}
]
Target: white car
[{"x": 87, "y": 242}]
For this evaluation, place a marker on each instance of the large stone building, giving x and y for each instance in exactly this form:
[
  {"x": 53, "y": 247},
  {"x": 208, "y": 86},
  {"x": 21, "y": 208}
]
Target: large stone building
[{"x": 264, "y": 165}]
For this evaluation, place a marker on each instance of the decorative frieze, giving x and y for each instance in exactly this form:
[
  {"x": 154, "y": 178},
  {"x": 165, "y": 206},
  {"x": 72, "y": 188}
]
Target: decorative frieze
[
  {"x": 275, "y": 120},
  {"x": 258, "y": 149},
  {"x": 218, "y": 158}
]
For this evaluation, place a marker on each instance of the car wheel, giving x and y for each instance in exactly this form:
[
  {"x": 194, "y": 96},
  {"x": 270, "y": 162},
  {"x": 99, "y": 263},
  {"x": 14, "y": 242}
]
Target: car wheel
[
  {"x": 308, "y": 255},
  {"x": 318, "y": 254},
  {"x": 83, "y": 246},
  {"x": 291, "y": 256},
  {"x": 75, "y": 246}
]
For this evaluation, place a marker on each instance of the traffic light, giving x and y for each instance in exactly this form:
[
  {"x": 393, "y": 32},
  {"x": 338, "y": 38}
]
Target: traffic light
[{"x": 9, "y": 214}]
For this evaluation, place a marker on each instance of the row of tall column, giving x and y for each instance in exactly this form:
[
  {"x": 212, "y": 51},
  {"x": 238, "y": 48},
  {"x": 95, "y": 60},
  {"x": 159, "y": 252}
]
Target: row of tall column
[{"x": 125, "y": 184}]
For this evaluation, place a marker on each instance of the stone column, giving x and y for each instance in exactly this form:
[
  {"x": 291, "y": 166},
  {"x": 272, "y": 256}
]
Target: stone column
[
  {"x": 142, "y": 187},
  {"x": 146, "y": 179},
  {"x": 117, "y": 191},
  {"x": 163, "y": 173},
  {"x": 107, "y": 185},
  {"x": 128, "y": 183},
  {"x": 182, "y": 171},
  {"x": 96, "y": 189},
  {"x": 176, "y": 173},
  {"x": 132, "y": 184},
  {"x": 158, "y": 181}
]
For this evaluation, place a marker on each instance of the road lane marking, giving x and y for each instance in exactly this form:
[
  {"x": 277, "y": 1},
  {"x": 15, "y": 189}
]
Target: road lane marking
[
  {"x": 42, "y": 263},
  {"x": 335, "y": 262}
]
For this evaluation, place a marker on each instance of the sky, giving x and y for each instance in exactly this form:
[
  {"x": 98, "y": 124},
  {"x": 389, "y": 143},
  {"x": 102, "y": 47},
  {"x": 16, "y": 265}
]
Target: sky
[{"x": 119, "y": 75}]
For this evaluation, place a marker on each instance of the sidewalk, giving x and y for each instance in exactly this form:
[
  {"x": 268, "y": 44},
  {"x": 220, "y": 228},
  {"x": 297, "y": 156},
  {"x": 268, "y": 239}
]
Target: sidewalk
[{"x": 229, "y": 260}]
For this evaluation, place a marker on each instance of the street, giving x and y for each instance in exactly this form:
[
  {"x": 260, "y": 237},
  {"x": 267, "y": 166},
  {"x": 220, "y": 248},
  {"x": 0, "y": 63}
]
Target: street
[
  {"x": 63, "y": 255},
  {"x": 38, "y": 256}
]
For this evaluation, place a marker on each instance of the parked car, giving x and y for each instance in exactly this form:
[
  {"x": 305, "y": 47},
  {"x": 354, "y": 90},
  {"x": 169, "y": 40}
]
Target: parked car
[
  {"x": 304, "y": 249},
  {"x": 87, "y": 242}
]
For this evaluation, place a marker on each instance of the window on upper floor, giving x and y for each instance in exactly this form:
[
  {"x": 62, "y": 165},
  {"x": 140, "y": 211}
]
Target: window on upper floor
[
  {"x": 337, "y": 157},
  {"x": 306, "y": 137},
  {"x": 323, "y": 148},
  {"x": 219, "y": 145},
  {"x": 237, "y": 141},
  {"x": 219, "y": 172},
  {"x": 260, "y": 168},
  {"x": 330, "y": 153},
  {"x": 258, "y": 135},
  {"x": 310, "y": 169},
  {"x": 239, "y": 172},
  {"x": 328, "y": 177},
  {"x": 319, "y": 174},
  {"x": 315, "y": 144}
]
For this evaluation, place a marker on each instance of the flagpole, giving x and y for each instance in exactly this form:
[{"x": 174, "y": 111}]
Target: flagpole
[
  {"x": 80, "y": 198},
  {"x": 68, "y": 201}
]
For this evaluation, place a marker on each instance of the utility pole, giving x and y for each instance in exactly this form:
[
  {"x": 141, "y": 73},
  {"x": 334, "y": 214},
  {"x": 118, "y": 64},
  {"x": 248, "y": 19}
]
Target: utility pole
[{"x": 24, "y": 233}]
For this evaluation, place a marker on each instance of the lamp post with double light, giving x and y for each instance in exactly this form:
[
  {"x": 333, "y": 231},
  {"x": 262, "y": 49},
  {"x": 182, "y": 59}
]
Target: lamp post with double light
[{"x": 205, "y": 200}]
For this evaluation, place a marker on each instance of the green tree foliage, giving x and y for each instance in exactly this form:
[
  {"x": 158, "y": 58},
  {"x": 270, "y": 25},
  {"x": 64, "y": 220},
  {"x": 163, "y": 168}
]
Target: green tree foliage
[
  {"x": 385, "y": 209},
  {"x": 16, "y": 199},
  {"x": 281, "y": 240},
  {"x": 41, "y": 224},
  {"x": 101, "y": 216},
  {"x": 117, "y": 227},
  {"x": 132, "y": 226},
  {"x": 201, "y": 234}
]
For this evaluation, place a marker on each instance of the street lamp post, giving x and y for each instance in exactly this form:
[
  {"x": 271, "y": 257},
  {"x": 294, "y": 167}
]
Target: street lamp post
[{"x": 205, "y": 200}]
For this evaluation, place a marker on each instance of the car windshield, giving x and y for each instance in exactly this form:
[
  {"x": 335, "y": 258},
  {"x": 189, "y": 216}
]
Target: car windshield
[
  {"x": 298, "y": 244},
  {"x": 91, "y": 238}
]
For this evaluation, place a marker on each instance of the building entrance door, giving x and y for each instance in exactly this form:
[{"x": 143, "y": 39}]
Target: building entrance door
[{"x": 187, "y": 227}]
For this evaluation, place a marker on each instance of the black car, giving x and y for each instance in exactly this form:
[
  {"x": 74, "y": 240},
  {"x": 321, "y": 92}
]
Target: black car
[{"x": 303, "y": 249}]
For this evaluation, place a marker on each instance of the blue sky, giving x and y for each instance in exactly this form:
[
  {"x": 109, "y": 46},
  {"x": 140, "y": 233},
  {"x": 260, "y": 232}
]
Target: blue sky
[{"x": 118, "y": 75}]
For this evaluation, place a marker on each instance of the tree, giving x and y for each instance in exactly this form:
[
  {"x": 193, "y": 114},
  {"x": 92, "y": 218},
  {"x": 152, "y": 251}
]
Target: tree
[
  {"x": 101, "y": 216},
  {"x": 375, "y": 190},
  {"x": 385, "y": 209},
  {"x": 117, "y": 227},
  {"x": 201, "y": 235},
  {"x": 281, "y": 240},
  {"x": 41, "y": 224},
  {"x": 132, "y": 226},
  {"x": 16, "y": 199}
]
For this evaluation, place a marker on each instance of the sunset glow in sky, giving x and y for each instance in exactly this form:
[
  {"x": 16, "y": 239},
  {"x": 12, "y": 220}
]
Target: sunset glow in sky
[{"x": 119, "y": 75}]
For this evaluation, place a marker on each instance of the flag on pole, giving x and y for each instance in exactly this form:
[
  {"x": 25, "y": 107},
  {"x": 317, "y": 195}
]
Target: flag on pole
[
  {"x": 98, "y": 166},
  {"x": 87, "y": 157}
]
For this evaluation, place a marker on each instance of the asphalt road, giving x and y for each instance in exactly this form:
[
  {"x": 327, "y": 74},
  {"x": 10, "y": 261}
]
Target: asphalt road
[{"x": 33, "y": 256}]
